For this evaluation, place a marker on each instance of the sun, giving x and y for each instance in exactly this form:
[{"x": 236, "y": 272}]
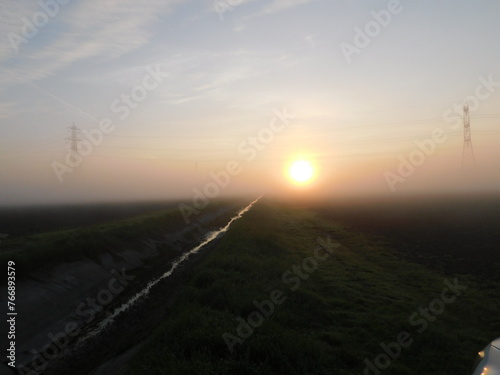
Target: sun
[{"x": 301, "y": 171}]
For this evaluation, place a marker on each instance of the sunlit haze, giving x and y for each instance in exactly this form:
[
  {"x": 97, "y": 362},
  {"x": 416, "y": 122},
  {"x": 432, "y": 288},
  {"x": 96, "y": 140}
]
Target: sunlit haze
[{"x": 170, "y": 96}]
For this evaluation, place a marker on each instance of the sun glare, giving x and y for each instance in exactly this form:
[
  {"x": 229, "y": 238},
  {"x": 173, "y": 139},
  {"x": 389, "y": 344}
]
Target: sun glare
[{"x": 301, "y": 171}]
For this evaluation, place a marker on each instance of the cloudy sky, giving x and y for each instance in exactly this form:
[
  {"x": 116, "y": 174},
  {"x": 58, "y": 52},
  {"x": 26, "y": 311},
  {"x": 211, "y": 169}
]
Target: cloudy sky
[{"x": 168, "y": 94}]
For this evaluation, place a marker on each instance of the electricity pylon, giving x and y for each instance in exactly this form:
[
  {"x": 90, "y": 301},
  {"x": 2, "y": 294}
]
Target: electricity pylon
[
  {"x": 468, "y": 161},
  {"x": 74, "y": 139}
]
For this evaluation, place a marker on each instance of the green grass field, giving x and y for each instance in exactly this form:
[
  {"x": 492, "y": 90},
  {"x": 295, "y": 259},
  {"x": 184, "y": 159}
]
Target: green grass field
[
  {"x": 44, "y": 249},
  {"x": 39, "y": 250},
  {"x": 333, "y": 314}
]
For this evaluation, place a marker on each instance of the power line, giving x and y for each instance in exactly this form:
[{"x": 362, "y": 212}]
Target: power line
[{"x": 328, "y": 131}]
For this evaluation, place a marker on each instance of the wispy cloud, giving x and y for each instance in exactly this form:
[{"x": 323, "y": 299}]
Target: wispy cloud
[
  {"x": 269, "y": 7},
  {"x": 180, "y": 100},
  {"x": 6, "y": 109},
  {"x": 100, "y": 29},
  {"x": 11, "y": 14},
  {"x": 280, "y": 5},
  {"x": 273, "y": 7}
]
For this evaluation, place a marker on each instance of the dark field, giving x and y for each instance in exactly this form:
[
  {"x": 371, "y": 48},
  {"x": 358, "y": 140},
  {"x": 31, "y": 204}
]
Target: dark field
[
  {"x": 334, "y": 315},
  {"x": 457, "y": 234},
  {"x": 17, "y": 221}
]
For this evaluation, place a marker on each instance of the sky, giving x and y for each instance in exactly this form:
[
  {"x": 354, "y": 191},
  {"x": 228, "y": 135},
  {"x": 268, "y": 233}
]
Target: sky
[{"x": 198, "y": 98}]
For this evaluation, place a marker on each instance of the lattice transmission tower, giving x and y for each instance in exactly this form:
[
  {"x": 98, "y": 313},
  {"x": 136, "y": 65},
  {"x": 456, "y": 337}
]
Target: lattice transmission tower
[
  {"x": 73, "y": 142},
  {"x": 468, "y": 161}
]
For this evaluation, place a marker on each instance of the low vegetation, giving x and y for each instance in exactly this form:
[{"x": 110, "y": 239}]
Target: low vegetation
[
  {"x": 364, "y": 309},
  {"x": 41, "y": 250}
]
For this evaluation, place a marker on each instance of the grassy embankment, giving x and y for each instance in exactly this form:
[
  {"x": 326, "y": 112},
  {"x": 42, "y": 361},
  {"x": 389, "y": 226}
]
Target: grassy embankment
[
  {"x": 361, "y": 296},
  {"x": 46, "y": 249}
]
